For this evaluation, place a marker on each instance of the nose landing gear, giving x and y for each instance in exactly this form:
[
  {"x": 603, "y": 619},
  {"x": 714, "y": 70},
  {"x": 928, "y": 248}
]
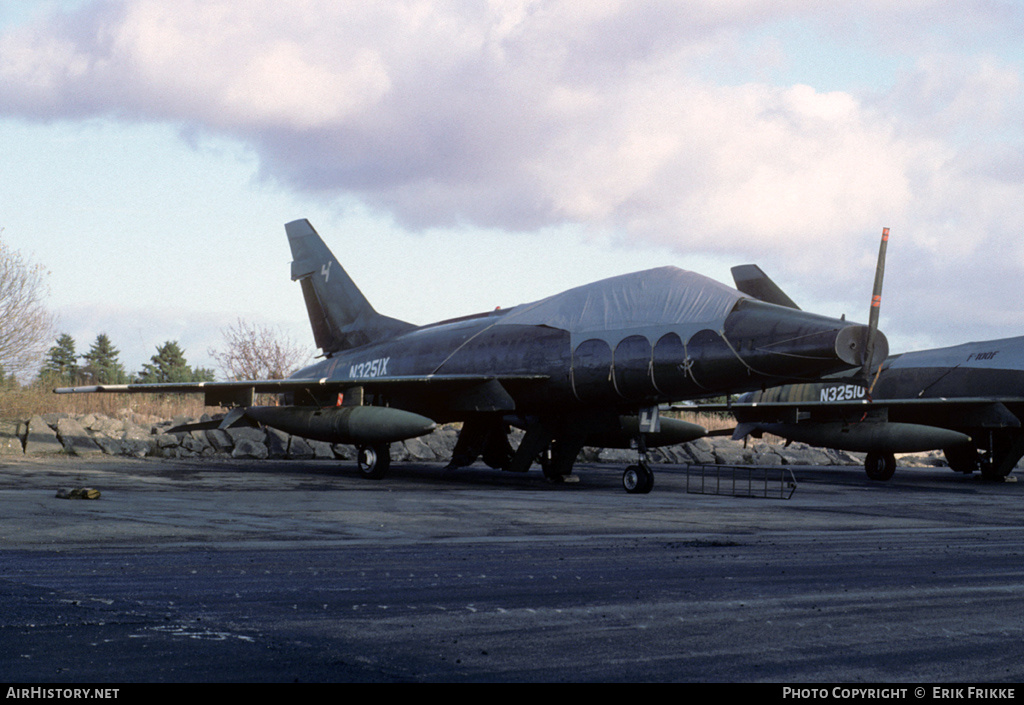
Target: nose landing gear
[{"x": 638, "y": 479}]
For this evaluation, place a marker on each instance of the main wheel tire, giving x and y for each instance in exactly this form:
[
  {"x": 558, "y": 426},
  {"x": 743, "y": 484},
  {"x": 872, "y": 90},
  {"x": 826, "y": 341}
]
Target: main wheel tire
[
  {"x": 374, "y": 461},
  {"x": 557, "y": 460},
  {"x": 880, "y": 466},
  {"x": 962, "y": 459},
  {"x": 990, "y": 471},
  {"x": 638, "y": 479},
  {"x": 551, "y": 473}
]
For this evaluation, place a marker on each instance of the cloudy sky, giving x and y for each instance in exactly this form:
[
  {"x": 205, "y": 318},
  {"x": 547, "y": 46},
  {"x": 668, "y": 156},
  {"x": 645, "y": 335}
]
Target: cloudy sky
[{"x": 458, "y": 156}]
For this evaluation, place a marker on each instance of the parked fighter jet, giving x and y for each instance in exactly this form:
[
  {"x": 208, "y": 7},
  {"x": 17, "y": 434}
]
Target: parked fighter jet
[
  {"x": 588, "y": 366},
  {"x": 967, "y": 400}
]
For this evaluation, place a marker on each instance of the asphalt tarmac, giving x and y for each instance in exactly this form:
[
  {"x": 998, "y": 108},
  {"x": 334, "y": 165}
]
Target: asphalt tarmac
[{"x": 283, "y": 571}]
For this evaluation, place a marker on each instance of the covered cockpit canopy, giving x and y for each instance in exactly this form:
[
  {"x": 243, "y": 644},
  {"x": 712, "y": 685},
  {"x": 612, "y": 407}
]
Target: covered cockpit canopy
[{"x": 641, "y": 303}]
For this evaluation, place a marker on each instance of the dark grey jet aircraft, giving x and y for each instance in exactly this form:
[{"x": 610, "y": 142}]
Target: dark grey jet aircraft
[
  {"x": 588, "y": 366},
  {"x": 967, "y": 400}
]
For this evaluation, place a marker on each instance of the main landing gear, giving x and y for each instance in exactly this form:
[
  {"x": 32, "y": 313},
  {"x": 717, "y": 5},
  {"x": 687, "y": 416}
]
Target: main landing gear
[
  {"x": 552, "y": 443},
  {"x": 880, "y": 466},
  {"x": 374, "y": 460},
  {"x": 995, "y": 463}
]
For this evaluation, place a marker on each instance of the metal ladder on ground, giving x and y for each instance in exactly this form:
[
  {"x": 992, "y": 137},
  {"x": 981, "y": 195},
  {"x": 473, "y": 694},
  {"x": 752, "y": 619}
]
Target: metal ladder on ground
[{"x": 764, "y": 481}]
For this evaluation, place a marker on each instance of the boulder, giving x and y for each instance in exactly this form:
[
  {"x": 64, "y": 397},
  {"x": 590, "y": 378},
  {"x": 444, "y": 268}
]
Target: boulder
[
  {"x": 248, "y": 448},
  {"x": 343, "y": 451},
  {"x": 249, "y": 433},
  {"x": 418, "y": 449},
  {"x": 195, "y": 442},
  {"x": 619, "y": 456},
  {"x": 219, "y": 440},
  {"x": 803, "y": 454},
  {"x": 166, "y": 440},
  {"x": 701, "y": 450},
  {"x": 109, "y": 446},
  {"x": 41, "y": 439},
  {"x": 442, "y": 441},
  {"x": 731, "y": 454},
  {"x": 137, "y": 441},
  {"x": 321, "y": 450},
  {"x": 11, "y": 435},
  {"x": 299, "y": 448},
  {"x": 75, "y": 439},
  {"x": 277, "y": 443},
  {"x": 103, "y": 424}
]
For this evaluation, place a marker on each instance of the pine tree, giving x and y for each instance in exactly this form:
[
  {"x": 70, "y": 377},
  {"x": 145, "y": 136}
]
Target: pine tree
[
  {"x": 102, "y": 365},
  {"x": 203, "y": 374},
  {"x": 169, "y": 365},
  {"x": 61, "y": 364}
]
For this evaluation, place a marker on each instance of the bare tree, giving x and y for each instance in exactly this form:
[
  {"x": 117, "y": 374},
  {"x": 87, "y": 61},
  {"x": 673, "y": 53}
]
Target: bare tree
[
  {"x": 26, "y": 326},
  {"x": 253, "y": 351}
]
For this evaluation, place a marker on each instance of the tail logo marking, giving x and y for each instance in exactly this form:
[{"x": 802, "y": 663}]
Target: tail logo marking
[{"x": 326, "y": 271}]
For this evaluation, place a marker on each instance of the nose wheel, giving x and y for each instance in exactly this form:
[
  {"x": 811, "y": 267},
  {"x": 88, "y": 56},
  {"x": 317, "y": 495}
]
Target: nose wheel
[{"x": 638, "y": 479}]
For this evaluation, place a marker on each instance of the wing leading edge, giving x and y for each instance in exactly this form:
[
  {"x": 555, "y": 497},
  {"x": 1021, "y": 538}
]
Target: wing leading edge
[{"x": 477, "y": 389}]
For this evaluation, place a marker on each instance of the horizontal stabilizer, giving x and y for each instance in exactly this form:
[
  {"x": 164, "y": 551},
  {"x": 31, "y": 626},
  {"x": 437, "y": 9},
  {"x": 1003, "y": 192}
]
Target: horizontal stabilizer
[
  {"x": 742, "y": 431},
  {"x": 233, "y": 419}
]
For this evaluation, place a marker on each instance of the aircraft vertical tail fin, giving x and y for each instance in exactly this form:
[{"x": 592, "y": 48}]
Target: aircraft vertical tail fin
[
  {"x": 340, "y": 315},
  {"x": 753, "y": 282}
]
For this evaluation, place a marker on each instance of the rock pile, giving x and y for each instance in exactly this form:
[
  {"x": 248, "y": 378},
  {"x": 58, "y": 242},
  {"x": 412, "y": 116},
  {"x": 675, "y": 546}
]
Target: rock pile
[
  {"x": 137, "y": 436},
  {"x": 140, "y": 437}
]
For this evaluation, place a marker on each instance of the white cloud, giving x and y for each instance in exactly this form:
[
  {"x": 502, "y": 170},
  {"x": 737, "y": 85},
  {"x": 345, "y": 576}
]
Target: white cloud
[
  {"x": 513, "y": 114},
  {"x": 520, "y": 115}
]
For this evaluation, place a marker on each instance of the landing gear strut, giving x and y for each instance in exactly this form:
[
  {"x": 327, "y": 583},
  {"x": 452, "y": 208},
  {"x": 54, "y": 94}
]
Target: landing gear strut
[
  {"x": 639, "y": 479},
  {"x": 374, "y": 460}
]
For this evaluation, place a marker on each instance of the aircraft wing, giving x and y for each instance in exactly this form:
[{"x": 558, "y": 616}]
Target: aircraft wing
[
  {"x": 463, "y": 392},
  {"x": 851, "y": 404},
  {"x": 944, "y": 412},
  {"x": 262, "y": 386},
  {"x": 269, "y": 386}
]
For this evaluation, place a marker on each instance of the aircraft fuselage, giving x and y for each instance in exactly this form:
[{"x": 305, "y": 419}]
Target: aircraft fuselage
[
  {"x": 759, "y": 343},
  {"x": 920, "y": 399}
]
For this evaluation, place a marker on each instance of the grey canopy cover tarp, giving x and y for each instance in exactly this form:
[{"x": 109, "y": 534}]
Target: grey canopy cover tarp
[{"x": 641, "y": 303}]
